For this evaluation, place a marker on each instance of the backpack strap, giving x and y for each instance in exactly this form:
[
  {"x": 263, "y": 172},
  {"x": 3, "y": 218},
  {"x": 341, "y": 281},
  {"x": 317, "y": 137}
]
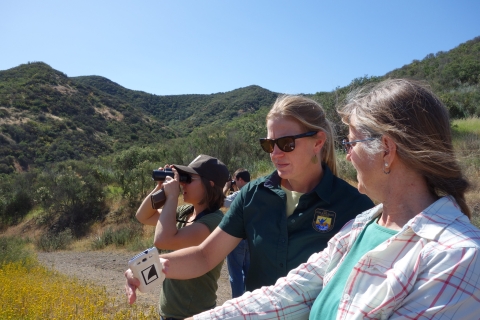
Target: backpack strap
[{"x": 188, "y": 211}]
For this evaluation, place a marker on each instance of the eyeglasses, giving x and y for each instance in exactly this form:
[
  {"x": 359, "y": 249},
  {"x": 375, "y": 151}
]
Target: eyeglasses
[
  {"x": 348, "y": 145},
  {"x": 286, "y": 144}
]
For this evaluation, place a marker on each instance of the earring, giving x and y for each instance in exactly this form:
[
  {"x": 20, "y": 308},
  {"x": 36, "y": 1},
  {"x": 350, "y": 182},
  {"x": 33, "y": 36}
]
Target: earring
[
  {"x": 386, "y": 167},
  {"x": 314, "y": 159}
]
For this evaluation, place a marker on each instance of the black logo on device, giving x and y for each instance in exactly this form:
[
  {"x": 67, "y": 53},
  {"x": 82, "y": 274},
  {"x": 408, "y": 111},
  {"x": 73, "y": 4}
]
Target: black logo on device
[{"x": 149, "y": 274}]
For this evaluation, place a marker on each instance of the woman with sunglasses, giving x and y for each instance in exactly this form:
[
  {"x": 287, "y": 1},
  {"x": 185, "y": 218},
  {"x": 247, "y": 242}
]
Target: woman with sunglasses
[
  {"x": 188, "y": 225},
  {"x": 416, "y": 255},
  {"x": 287, "y": 215}
]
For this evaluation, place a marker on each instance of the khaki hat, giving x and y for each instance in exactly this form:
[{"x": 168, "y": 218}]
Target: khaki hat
[{"x": 207, "y": 167}]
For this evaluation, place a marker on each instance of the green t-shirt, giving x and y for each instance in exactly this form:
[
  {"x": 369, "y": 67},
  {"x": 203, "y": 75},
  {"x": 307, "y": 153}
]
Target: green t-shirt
[
  {"x": 184, "y": 298},
  {"x": 326, "y": 304}
]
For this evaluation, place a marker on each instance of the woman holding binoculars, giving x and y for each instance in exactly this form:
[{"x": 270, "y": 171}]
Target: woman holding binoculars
[{"x": 187, "y": 225}]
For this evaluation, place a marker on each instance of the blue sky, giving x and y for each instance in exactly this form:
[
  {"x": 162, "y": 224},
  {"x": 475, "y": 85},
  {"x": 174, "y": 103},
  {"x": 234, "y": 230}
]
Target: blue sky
[{"x": 183, "y": 47}]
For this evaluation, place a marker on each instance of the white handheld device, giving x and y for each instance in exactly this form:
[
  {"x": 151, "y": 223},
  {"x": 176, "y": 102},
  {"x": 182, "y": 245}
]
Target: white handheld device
[{"x": 147, "y": 268}]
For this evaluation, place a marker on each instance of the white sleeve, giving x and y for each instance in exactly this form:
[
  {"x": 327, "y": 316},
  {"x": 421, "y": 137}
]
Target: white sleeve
[{"x": 228, "y": 200}]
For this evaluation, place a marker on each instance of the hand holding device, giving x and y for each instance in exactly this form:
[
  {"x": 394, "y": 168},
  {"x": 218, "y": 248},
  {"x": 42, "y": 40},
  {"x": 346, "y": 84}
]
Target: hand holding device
[{"x": 147, "y": 268}]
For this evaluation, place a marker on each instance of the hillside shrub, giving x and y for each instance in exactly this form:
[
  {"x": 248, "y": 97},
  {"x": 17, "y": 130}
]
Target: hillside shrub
[
  {"x": 50, "y": 241},
  {"x": 14, "y": 249},
  {"x": 72, "y": 195},
  {"x": 19, "y": 205},
  {"x": 124, "y": 235},
  {"x": 16, "y": 198},
  {"x": 120, "y": 237},
  {"x": 102, "y": 240},
  {"x": 138, "y": 244}
]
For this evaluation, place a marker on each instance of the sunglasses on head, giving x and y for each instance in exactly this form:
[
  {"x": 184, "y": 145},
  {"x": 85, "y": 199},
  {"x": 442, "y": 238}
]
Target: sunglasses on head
[{"x": 286, "y": 144}]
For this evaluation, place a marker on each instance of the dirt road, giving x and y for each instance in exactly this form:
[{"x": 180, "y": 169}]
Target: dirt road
[{"x": 106, "y": 268}]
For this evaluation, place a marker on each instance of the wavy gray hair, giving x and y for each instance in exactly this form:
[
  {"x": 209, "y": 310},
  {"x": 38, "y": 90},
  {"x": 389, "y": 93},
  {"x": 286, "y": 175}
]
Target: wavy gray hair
[{"x": 415, "y": 118}]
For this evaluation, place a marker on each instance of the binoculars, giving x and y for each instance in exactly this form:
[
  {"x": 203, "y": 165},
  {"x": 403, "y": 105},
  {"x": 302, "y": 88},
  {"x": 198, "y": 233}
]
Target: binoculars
[
  {"x": 158, "y": 198},
  {"x": 161, "y": 175}
]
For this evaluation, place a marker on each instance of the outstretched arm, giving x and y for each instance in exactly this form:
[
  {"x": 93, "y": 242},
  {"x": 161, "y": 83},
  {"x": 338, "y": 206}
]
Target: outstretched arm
[
  {"x": 190, "y": 262},
  {"x": 195, "y": 261},
  {"x": 290, "y": 298}
]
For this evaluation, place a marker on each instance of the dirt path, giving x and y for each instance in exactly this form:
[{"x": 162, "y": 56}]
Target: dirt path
[{"x": 106, "y": 268}]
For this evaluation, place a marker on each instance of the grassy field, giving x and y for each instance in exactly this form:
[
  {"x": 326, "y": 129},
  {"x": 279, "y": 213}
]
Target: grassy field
[{"x": 467, "y": 126}]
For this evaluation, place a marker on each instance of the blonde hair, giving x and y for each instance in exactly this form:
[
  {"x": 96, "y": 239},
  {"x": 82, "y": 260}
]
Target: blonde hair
[
  {"x": 413, "y": 116},
  {"x": 309, "y": 114}
]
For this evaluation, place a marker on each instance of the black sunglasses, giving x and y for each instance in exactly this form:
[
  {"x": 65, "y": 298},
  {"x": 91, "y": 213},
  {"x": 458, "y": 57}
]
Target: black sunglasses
[{"x": 286, "y": 144}]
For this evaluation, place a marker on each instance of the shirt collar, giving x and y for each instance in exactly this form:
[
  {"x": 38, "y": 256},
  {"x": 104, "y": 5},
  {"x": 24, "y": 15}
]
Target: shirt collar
[
  {"x": 273, "y": 180},
  {"x": 323, "y": 189},
  {"x": 429, "y": 223},
  {"x": 436, "y": 217}
]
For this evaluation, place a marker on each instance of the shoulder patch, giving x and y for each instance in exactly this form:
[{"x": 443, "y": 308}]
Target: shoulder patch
[{"x": 323, "y": 220}]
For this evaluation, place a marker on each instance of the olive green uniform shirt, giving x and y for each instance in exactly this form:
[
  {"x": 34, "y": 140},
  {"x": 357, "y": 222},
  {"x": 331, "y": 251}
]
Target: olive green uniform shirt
[
  {"x": 184, "y": 298},
  {"x": 279, "y": 243}
]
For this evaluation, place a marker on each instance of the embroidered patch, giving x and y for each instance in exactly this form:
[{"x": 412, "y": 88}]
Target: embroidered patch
[{"x": 323, "y": 220}]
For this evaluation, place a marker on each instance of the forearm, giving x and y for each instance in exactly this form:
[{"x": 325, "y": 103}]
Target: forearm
[
  {"x": 145, "y": 213},
  {"x": 166, "y": 228},
  {"x": 187, "y": 263},
  {"x": 194, "y": 261},
  {"x": 290, "y": 298}
]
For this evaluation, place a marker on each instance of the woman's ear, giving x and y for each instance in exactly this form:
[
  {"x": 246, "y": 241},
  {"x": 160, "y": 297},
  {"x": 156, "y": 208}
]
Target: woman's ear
[
  {"x": 390, "y": 150},
  {"x": 321, "y": 137},
  {"x": 212, "y": 184}
]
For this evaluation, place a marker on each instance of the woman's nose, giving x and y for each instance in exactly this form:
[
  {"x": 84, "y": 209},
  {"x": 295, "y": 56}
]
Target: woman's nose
[{"x": 276, "y": 151}]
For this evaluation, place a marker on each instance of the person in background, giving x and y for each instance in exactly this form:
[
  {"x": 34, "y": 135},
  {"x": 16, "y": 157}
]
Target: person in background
[
  {"x": 238, "y": 261},
  {"x": 188, "y": 225},
  {"x": 285, "y": 216},
  {"x": 416, "y": 255}
]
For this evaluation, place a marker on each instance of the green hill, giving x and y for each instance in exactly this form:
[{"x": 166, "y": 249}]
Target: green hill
[
  {"x": 182, "y": 113},
  {"x": 48, "y": 117},
  {"x": 453, "y": 75}
]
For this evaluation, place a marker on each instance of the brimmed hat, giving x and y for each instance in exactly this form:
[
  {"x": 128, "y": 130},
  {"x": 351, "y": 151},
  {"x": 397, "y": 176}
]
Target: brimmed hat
[{"x": 207, "y": 167}]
